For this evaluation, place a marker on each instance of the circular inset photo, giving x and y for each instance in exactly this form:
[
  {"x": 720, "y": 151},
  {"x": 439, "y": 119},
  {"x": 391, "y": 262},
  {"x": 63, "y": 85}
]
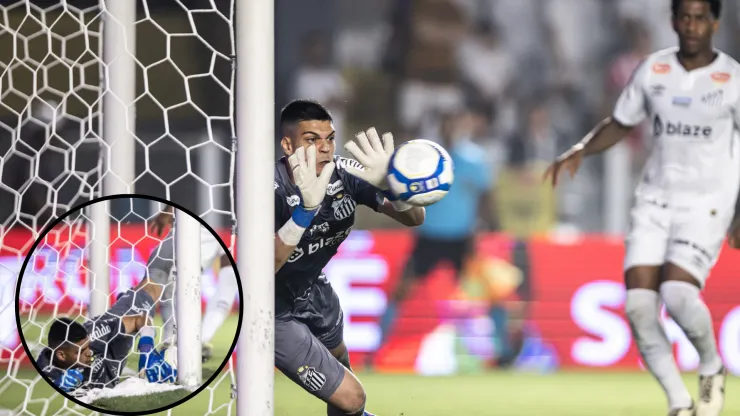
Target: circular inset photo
[{"x": 136, "y": 314}]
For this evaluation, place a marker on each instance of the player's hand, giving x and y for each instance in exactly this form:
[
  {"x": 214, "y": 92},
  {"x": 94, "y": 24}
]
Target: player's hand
[
  {"x": 160, "y": 223},
  {"x": 70, "y": 380},
  {"x": 312, "y": 186},
  {"x": 373, "y": 155},
  {"x": 156, "y": 368},
  {"x": 570, "y": 160}
]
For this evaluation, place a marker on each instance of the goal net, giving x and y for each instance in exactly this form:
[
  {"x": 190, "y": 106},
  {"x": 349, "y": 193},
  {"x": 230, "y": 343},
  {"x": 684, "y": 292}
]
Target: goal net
[{"x": 96, "y": 99}]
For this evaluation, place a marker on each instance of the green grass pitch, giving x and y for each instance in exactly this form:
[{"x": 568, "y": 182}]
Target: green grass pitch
[
  {"x": 506, "y": 394},
  {"x": 589, "y": 393}
]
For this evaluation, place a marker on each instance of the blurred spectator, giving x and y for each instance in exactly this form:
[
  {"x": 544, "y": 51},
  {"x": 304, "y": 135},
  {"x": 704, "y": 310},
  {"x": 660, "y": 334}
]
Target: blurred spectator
[
  {"x": 619, "y": 74},
  {"x": 430, "y": 31},
  {"x": 576, "y": 56},
  {"x": 451, "y": 224},
  {"x": 654, "y": 15},
  {"x": 539, "y": 142},
  {"x": 486, "y": 66},
  {"x": 526, "y": 205},
  {"x": 317, "y": 79}
]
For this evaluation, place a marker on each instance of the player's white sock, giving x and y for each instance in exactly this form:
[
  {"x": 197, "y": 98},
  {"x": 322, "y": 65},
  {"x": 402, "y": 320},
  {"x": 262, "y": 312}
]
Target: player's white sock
[
  {"x": 220, "y": 304},
  {"x": 643, "y": 310},
  {"x": 683, "y": 302}
]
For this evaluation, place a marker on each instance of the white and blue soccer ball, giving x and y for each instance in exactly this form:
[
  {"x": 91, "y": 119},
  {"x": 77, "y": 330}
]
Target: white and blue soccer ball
[{"x": 420, "y": 172}]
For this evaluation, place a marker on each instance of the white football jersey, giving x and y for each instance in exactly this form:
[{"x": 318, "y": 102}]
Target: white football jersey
[{"x": 695, "y": 117}]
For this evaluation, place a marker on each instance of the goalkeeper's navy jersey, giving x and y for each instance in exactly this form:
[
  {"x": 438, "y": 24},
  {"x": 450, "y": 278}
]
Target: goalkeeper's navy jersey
[
  {"x": 329, "y": 228},
  {"x": 110, "y": 347}
]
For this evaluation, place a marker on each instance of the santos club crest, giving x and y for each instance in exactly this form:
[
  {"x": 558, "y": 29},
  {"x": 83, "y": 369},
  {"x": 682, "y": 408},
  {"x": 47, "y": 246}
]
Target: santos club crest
[
  {"x": 311, "y": 378},
  {"x": 343, "y": 206}
]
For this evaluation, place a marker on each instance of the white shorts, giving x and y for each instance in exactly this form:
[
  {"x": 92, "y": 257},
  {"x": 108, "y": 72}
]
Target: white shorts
[
  {"x": 689, "y": 237},
  {"x": 210, "y": 248}
]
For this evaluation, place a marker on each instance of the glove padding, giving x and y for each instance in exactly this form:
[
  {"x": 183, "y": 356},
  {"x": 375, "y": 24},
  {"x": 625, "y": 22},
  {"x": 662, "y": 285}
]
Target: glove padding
[
  {"x": 312, "y": 187},
  {"x": 152, "y": 362},
  {"x": 70, "y": 380},
  {"x": 373, "y": 155}
]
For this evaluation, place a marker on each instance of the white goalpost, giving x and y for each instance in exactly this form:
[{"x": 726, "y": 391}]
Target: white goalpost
[
  {"x": 96, "y": 46},
  {"x": 117, "y": 125},
  {"x": 99, "y": 239},
  {"x": 187, "y": 310},
  {"x": 255, "y": 98}
]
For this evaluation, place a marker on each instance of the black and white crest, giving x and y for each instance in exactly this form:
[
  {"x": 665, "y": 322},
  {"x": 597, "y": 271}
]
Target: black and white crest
[
  {"x": 343, "y": 206},
  {"x": 311, "y": 378}
]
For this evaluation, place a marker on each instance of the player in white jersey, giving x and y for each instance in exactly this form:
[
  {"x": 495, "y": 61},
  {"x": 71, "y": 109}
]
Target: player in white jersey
[
  {"x": 161, "y": 267},
  {"x": 685, "y": 202}
]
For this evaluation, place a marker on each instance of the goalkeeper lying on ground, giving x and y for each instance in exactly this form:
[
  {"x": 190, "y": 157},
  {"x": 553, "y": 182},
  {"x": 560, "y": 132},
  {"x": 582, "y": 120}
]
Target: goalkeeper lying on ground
[{"x": 94, "y": 354}]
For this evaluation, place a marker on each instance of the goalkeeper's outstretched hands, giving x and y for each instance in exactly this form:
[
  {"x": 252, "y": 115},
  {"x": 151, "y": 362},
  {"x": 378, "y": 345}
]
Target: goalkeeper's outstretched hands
[
  {"x": 373, "y": 155},
  {"x": 312, "y": 186}
]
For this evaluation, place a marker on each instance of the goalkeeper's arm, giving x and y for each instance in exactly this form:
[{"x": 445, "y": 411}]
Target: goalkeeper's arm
[
  {"x": 313, "y": 190},
  {"x": 134, "y": 323},
  {"x": 289, "y": 235},
  {"x": 405, "y": 214}
]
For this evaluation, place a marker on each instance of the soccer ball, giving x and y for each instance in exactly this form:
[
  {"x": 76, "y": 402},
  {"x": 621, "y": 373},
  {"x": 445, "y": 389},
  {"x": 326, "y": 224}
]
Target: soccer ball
[{"x": 420, "y": 172}]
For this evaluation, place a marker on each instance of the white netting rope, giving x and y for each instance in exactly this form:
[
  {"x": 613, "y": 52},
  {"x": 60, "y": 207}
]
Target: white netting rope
[{"x": 51, "y": 98}]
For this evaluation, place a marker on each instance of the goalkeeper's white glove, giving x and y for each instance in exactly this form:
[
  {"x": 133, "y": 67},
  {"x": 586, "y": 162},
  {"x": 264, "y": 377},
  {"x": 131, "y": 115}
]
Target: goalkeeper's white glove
[
  {"x": 313, "y": 188},
  {"x": 313, "y": 192},
  {"x": 374, "y": 156}
]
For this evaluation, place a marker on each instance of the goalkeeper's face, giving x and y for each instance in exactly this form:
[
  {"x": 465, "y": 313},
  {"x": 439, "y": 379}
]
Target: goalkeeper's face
[
  {"x": 74, "y": 354},
  {"x": 319, "y": 133}
]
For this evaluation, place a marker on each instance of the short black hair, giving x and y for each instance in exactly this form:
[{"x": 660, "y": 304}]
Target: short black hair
[
  {"x": 303, "y": 110},
  {"x": 65, "y": 330},
  {"x": 714, "y": 5}
]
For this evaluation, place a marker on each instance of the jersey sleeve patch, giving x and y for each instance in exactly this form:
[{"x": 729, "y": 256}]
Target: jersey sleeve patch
[
  {"x": 102, "y": 330},
  {"x": 343, "y": 162}
]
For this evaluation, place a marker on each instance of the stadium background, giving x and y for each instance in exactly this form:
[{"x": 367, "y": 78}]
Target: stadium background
[{"x": 533, "y": 75}]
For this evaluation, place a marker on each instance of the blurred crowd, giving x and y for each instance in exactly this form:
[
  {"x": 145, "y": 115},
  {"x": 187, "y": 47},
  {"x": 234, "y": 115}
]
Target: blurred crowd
[
  {"x": 517, "y": 81},
  {"x": 522, "y": 79}
]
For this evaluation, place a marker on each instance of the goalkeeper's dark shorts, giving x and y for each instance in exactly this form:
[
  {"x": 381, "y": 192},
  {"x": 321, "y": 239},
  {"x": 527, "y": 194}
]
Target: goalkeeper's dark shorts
[{"x": 304, "y": 337}]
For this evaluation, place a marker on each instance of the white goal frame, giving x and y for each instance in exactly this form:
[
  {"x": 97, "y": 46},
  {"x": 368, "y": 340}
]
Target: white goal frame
[
  {"x": 187, "y": 293},
  {"x": 253, "y": 24},
  {"x": 255, "y": 100}
]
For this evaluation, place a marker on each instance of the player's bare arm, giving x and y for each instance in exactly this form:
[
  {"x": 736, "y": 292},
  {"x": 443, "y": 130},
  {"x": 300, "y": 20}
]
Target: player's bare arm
[
  {"x": 162, "y": 220},
  {"x": 411, "y": 217},
  {"x": 134, "y": 323},
  {"x": 601, "y": 138},
  {"x": 733, "y": 235},
  {"x": 374, "y": 156},
  {"x": 282, "y": 252}
]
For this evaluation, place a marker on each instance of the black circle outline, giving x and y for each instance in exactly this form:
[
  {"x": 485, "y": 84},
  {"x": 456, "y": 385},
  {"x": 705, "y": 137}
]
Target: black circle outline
[{"x": 128, "y": 196}]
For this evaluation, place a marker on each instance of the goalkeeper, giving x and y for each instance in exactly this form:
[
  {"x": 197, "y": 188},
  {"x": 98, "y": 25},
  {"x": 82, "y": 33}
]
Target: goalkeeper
[
  {"x": 316, "y": 194},
  {"x": 94, "y": 354}
]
